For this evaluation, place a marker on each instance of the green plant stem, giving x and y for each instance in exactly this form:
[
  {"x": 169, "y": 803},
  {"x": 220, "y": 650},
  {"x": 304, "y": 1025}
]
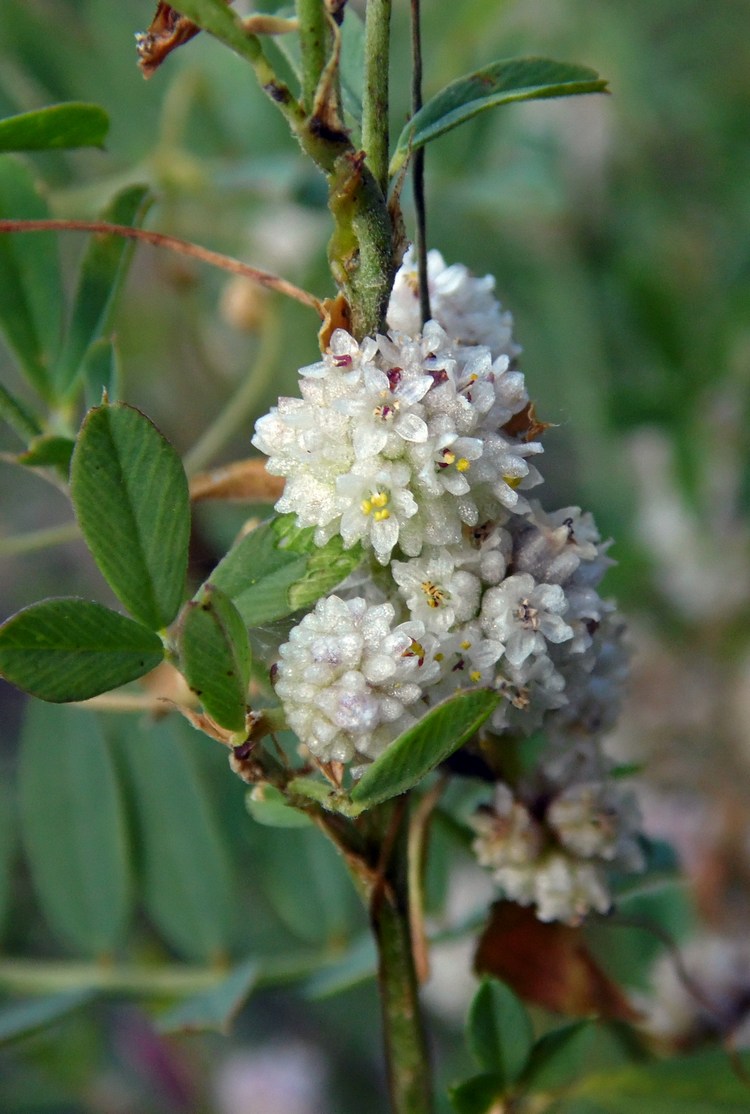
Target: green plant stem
[
  {"x": 385, "y": 891},
  {"x": 375, "y": 137},
  {"x": 314, "y": 38},
  {"x": 30, "y": 976},
  {"x": 242, "y": 403},
  {"x": 39, "y": 539},
  {"x": 361, "y": 249}
]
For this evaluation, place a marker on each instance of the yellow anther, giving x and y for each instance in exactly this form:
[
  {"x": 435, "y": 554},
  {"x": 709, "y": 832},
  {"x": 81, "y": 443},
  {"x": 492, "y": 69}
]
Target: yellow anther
[
  {"x": 379, "y": 499},
  {"x": 475, "y": 676},
  {"x": 448, "y": 456},
  {"x": 365, "y": 506},
  {"x": 439, "y": 657},
  {"x": 380, "y": 516},
  {"x": 463, "y": 465},
  {"x": 513, "y": 481},
  {"x": 465, "y": 645}
]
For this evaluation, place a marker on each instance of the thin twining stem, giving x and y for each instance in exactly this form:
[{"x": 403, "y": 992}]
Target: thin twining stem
[
  {"x": 418, "y": 164},
  {"x": 172, "y": 243}
]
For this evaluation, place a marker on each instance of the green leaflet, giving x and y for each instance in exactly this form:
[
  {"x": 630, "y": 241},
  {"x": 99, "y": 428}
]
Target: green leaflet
[{"x": 503, "y": 82}]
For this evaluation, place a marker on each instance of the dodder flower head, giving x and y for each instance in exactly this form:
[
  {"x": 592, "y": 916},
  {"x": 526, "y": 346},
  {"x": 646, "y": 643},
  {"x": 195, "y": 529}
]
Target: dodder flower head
[
  {"x": 419, "y": 445},
  {"x": 347, "y": 675}
]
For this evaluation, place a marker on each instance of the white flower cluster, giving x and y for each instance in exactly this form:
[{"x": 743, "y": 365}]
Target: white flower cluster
[{"x": 418, "y": 444}]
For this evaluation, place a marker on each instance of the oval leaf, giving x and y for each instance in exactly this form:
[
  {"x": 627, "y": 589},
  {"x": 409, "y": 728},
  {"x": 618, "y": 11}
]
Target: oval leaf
[
  {"x": 73, "y": 827},
  {"x": 500, "y": 1032},
  {"x": 187, "y": 884},
  {"x": 49, "y": 450},
  {"x": 21, "y": 1019},
  {"x": 706, "y": 1083},
  {"x": 215, "y": 656},
  {"x": 59, "y": 126},
  {"x": 423, "y": 747},
  {"x": 511, "y": 79},
  {"x": 267, "y": 805},
  {"x": 557, "y": 1058},
  {"x": 104, "y": 267},
  {"x": 30, "y": 292},
  {"x": 212, "y": 1009},
  {"x": 478, "y": 1095},
  {"x": 70, "y": 649},
  {"x": 130, "y": 495}
]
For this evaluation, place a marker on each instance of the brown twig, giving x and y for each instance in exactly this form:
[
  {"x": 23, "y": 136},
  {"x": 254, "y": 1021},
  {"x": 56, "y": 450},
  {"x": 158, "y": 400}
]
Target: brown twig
[{"x": 171, "y": 243}]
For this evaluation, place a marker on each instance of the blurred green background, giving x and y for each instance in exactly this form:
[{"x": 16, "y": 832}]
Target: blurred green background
[{"x": 619, "y": 231}]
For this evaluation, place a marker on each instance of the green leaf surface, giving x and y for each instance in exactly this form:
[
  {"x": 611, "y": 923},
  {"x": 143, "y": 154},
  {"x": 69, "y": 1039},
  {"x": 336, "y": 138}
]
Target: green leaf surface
[
  {"x": 557, "y": 1058},
  {"x": 215, "y": 656},
  {"x": 503, "y": 82},
  {"x": 48, "y": 451},
  {"x": 706, "y": 1083},
  {"x": 220, "y": 21},
  {"x": 327, "y": 566},
  {"x": 500, "y": 1033},
  {"x": 73, "y": 827},
  {"x": 131, "y": 499},
  {"x": 22, "y": 1019},
  {"x": 71, "y": 649},
  {"x": 100, "y": 372},
  {"x": 420, "y": 749},
  {"x": 30, "y": 292},
  {"x": 8, "y": 843},
  {"x": 357, "y": 965},
  {"x": 267, "y": 805},
  {"x": 257, "y": 576},
  {"x": 477, "y": 1095},
  {"x": 60, "y": 126},
  {"x": 187, "y": 882},
  {"x": 103, "y": 269},
  {"x": 307, "y": 885},
  {"x": 213, "y": 1009},
  {"x": 18, "y": 416}
]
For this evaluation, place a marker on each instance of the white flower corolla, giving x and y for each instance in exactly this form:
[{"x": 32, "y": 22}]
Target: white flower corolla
[
  {"x": 554, "y": 855},
  {"x": 347, "y": 676},
  {"x": 568, "y": 889},
  {"x": 435, "y": 592},
  {"x": 507, "y": 834},
  {"x": 596, "y": 820},
  {"x": 465, "y": 306},
  {"x": 525, "y": 616},
  {"x": 485, "y": 550}
]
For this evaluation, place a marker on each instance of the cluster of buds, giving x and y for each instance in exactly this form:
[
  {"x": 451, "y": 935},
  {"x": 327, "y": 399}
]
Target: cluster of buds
[{"x": 420, "y": 445}]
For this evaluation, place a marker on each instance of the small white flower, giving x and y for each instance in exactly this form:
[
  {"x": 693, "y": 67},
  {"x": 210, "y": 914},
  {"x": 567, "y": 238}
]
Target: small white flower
[
  {"x": 435, "y": 591},
  {"x": 346, "y": 677},
  {"x": 524, "y": 616},
  {"x": 465, "y": 306}
]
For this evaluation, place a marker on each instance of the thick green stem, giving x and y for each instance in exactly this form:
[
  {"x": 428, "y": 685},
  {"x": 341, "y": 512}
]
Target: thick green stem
[
  {"x": 314, "y": 39},
  {"x": 403, "y": 1031},
  {"x": 407, "y": 1059},
  {"x": 375, "y": 93}
]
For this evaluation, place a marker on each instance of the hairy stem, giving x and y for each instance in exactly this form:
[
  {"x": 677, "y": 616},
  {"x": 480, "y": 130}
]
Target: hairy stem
[
  {"x": 314, "y": 37},
  {"x": 375, "y": 99}
]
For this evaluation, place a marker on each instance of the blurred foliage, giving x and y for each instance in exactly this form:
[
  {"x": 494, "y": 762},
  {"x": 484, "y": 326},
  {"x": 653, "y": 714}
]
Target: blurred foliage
[{"x": 618, "y": 231}]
